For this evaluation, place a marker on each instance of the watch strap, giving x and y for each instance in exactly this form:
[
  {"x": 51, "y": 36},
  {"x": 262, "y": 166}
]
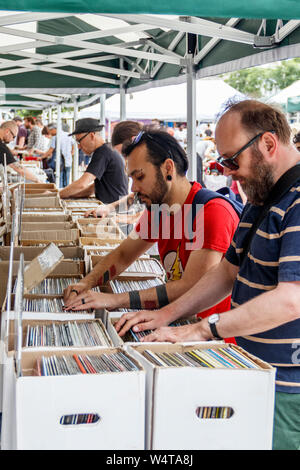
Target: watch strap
[{"x": 214, "y": 331}]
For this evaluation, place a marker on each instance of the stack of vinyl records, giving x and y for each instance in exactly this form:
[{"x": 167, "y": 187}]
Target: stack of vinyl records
[
  {"x": 85, "y": 364},
  {"x": 217, "y": 357},
  {"x": 46, "y": 305},
  {"x": 67, "y": 334}
]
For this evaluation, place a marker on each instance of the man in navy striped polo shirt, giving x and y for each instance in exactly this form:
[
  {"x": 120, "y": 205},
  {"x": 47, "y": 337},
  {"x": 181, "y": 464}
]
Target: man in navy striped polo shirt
[{"x": 255, "y": 145}]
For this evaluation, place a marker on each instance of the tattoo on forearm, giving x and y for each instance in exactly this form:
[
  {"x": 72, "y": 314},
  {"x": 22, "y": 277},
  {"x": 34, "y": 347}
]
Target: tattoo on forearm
[
  {"x": 109, "y": 274},
  {"x": 105, "y": 277},
  {"x": 150, "y": 304},
  {"x": 135, "y": 299},
  {"x": 162, "y": 295},
  {"x": 112, "y": 271}
]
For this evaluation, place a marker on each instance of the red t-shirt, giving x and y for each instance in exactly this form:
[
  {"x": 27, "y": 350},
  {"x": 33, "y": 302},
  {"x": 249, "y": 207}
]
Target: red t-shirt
[
  {"x": 234, "y": 187},
  {"x": 213, "y": 228},
  {"x": 216, "y": 166}
]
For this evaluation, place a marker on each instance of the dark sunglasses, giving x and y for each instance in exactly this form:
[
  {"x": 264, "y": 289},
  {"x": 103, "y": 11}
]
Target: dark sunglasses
[
  {"x": 81, "y": 138},
  {"x": 229, "y": 162},
  {"x": 14, "y": 136}
]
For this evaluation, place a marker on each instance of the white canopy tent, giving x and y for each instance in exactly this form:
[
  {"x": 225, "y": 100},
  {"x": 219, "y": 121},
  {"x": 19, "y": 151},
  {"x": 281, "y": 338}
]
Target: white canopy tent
[
  {"x": 168, "y": 103},
  {"x": 288, "y": 92}
]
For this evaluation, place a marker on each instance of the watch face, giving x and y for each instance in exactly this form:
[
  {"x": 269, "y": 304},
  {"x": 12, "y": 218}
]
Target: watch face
[{"x": 213, "y": 318}]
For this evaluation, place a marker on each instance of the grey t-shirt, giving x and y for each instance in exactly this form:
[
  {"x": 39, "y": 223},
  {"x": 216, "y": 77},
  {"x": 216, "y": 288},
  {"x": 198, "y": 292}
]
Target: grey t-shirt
[{"x": 108, "y": 166}]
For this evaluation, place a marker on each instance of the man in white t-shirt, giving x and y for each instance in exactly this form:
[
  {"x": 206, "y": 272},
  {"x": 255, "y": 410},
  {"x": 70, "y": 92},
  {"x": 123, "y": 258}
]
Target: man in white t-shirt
[
  {"x": 204, "y": 148},
  {"x": 180, "y": 135},
  {"x": 67, "y": 152}
]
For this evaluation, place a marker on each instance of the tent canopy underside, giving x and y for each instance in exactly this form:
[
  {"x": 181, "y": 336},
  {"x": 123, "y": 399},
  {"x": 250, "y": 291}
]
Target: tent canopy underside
[{"x": 91, "y": 54}]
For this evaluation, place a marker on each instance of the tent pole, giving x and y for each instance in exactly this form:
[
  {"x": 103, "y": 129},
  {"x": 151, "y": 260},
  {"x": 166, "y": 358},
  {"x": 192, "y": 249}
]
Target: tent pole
[
  {"x": 191, "y": 118},
  {"x": 75, "y": 156},
  {"x": 109, "y": 130},
  {"x": 102, "y": 115},
  {"x": 122, "y": 94},
  {"x": 58, "y": 135}
]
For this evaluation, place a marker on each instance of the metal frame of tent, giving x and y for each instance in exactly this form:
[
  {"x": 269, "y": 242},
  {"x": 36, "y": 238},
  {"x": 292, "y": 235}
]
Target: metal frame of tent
[{"x": 69, "y": 55}]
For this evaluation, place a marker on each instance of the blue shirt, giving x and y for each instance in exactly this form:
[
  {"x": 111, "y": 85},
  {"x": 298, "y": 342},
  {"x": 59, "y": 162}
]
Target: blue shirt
[{"x": 274, "y": 257}]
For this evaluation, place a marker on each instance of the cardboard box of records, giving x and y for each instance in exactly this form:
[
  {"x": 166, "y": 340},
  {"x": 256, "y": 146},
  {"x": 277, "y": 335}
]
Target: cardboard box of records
[
  {"x": 40, "y": 186},
  {"x": 42, "y": 226},
  {"x": 110, "y": 318},
  {"x": 53, "y": 334},
  {"x": 140, "y": 268},
  {"x": 49, "y": 306},
  {"x": 75, "y": 261},
  {"x": 226, "y": 404},
  {"x": 34, "y": 188},
  {"x": 67, "y": 269},
  {"x": 94, "y": 242},
  {"x": 46, "y": 201},
  {"x": 100, "y": 228},
  {"x": 129, "y": 283},
  {"x": 59, "y": 237},
  {"x": 34, "y": 307},
  {"x": 70, "y": 393},
  {"x": 46, "y": 217},
  {"x": 67, "y": 401},
  {"x": 81, "y": 204}
]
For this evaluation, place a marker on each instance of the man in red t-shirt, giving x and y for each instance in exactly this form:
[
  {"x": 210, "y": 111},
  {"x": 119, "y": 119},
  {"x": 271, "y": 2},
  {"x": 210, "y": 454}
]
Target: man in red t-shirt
[{"x": 188, "y": 248}]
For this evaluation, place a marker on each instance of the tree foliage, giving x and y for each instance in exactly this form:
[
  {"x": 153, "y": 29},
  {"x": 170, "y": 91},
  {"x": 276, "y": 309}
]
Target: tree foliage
[{"x": 259, "y": 82}]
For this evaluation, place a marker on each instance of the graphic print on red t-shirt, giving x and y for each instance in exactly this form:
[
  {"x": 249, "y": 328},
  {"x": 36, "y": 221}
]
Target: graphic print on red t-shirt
[{"x": 172, "y": 265}]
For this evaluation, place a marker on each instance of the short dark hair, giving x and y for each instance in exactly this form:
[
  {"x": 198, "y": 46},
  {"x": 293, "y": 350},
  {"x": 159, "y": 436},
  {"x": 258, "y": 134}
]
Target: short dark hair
[
  {"x": 258, "y": 117},
  {"x": 45, "y": 131},
  {"x": 29, "y": 119},
  {"x": 160, "y": 146},
  {"x": 124, "y": 131}
]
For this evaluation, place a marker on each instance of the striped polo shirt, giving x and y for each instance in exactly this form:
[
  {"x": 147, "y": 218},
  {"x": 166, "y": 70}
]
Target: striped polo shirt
[{"x": 274, "y": 257}]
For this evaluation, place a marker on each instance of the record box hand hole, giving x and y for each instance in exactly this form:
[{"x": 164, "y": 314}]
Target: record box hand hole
[
  {"x": 214, "y": 412},
  {"x": 80, "y": 419}
]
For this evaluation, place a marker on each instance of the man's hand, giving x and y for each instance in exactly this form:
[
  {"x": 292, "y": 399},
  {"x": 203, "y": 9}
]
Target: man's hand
[
  {"x": 178, "y": 334},
  {"x": 101, "y": 211},
  {"x": 141, "y": 321},
  {"x": 72, "y": 291},
  {"x": 90, "y": 300},
  {"x": 47, "y": 193}
]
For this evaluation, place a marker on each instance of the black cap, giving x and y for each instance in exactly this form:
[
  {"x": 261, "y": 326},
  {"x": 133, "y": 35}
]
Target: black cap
[{"x": 87, "y": 125}]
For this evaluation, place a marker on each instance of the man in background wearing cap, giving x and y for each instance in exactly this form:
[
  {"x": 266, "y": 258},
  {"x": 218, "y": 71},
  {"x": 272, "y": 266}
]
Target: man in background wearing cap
[{"x": 105, "y": 175}]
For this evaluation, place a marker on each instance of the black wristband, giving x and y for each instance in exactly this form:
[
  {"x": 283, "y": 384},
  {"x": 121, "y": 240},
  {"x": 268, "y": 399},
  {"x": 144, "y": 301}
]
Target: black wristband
[
  {"x": 162, "y": 295},
  {"x": 135, "y": 299}
]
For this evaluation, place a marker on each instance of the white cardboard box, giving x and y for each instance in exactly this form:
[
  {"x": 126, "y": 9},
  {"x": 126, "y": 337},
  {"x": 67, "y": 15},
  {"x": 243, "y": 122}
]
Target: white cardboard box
[
  {"x": 118, "y": 399},
  {"x": 173, "y": 395}
]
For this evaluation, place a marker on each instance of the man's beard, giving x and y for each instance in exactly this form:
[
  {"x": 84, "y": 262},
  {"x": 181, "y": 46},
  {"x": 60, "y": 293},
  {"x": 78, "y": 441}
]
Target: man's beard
[
  {"x": 158, "y": 193},
  {"x": 258, "y": 186}
]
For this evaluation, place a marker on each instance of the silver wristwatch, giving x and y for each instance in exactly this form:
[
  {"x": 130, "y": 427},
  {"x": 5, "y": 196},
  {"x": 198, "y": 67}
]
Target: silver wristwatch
[{"x": 212, "y": 320}]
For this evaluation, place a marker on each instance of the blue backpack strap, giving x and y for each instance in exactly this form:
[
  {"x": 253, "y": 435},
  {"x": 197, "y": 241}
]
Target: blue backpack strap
[{"x": 204, "y": 195}]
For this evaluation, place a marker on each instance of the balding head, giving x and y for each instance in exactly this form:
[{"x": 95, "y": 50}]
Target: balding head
[
  {"x": 255, "y": 117},
  {"x": 8, "y": 131},
  {"x": 10, "y": 125}
]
